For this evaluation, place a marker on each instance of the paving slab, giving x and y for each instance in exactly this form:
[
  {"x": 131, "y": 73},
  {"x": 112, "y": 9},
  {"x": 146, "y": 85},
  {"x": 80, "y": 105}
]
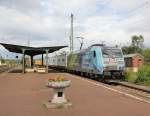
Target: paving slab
[{"x": 24, "y": 95}]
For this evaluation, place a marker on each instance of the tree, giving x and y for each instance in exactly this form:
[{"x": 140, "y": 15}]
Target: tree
[
  {"x": 131, "y": 49},
  {"x": 141, "y": 41},
  {"x": 137, "y": 41},
  {"x": 2, "y": 60}
]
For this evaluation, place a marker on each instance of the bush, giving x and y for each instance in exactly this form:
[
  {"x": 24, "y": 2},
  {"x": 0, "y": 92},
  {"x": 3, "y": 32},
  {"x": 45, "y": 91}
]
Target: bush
[
  {"x": 143, "y": 76},
  {"x": 131, "y": 76}
]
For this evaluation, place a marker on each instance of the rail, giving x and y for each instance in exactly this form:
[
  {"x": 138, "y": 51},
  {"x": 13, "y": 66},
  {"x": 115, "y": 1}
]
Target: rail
[{"x": 133, "y": 86}]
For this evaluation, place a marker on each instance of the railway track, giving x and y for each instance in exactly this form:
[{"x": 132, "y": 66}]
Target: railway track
[
  {"x": 133, "y": 91},
  {"x": 137, "y": 92}
]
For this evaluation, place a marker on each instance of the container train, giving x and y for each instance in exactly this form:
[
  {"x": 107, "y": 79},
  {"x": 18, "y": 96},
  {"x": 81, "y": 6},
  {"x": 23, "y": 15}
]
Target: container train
[{"x": 97, "y": 61}]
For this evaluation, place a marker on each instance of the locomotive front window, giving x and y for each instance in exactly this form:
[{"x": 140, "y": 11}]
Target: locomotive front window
[{"x": 112, "y": 53}]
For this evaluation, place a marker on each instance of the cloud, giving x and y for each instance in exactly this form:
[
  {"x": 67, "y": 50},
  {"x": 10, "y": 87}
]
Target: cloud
[
  {"x": 24, "y": 6},
  {"x": 128, "y": 5},
  {"x": 47, "y": 22}
]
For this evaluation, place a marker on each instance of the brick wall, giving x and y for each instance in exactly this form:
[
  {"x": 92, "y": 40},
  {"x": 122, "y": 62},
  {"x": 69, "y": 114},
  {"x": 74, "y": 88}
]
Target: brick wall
[{"x": 137, "y": 61}]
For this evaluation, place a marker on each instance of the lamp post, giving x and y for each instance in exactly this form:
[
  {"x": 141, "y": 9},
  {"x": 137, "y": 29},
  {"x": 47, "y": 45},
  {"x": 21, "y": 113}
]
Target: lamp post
[{"x": 81, "y": 41}]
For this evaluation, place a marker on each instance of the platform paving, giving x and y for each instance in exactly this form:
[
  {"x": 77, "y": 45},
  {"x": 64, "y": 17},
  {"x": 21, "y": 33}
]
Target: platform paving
[{"x": 24, "y": 95}]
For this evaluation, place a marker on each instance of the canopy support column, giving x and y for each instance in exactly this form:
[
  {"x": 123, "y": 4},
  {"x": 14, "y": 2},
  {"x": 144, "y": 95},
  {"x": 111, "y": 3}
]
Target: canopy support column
[
  {"x": 42, "y": 59},
  {"x": 32, "y": 61},
  {"x": 23, "y": 60},
  {"x": 47, "y": 61}
]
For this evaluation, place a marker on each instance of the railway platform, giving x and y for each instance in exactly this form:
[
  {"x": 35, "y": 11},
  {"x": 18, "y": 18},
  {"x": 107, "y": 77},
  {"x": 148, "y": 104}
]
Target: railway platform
[{"x": 24, "y": 94}]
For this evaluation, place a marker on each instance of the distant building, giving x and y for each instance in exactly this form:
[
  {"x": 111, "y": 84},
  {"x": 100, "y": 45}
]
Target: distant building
[
  {"x": 39, "y": 62},
  {"x": 133, "y": 61}
]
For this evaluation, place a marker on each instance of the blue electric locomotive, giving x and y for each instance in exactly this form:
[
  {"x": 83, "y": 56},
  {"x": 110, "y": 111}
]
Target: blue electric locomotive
[{"x": 98, "y": 61}]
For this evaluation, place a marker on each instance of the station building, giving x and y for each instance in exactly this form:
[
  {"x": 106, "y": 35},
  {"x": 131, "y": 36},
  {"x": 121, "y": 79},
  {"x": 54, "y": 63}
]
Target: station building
[{"x": 133, "y": 61}]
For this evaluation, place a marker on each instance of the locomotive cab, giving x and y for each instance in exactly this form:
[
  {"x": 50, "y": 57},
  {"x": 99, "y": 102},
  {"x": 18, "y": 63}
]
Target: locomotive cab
[{"x": 113, "y": 63}]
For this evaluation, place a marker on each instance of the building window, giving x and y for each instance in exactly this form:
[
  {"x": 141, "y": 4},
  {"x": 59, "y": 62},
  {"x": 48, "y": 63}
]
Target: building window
[{"x": 140, "y": 59}]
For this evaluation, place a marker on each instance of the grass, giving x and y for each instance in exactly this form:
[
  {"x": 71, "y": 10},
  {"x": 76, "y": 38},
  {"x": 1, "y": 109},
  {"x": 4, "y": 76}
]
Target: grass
[
  {"x": 131, "y": 76},
  {"x": 142, "y": 77}
]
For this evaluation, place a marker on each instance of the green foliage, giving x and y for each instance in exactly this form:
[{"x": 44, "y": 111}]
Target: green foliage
[
  {"x": 137, "y": 40},
  {"x": 2, "y": 60},
  {"x": 131, "y": 50},
  {"x": 146, "y": 54},
  {"x": 136, "y": 45},
  {"x": 131, "y": 76},
  {"x": 10, "y": 61},
  {"x": 143, "y": 75}
]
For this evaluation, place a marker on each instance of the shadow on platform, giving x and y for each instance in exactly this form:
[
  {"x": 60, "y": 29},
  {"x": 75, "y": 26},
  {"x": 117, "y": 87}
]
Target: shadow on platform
[
  {"x": 20, "y": 71},
  {"x": 54, "y": 71},
  {"x": 15, "y": 71}
]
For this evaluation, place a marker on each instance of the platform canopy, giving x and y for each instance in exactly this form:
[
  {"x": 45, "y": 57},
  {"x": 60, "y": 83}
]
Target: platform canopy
[{"x": 32, "y": 51}]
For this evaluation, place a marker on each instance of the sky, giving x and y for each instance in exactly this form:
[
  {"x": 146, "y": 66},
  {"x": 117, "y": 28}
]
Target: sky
[{"x": 47, "y": 22}]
